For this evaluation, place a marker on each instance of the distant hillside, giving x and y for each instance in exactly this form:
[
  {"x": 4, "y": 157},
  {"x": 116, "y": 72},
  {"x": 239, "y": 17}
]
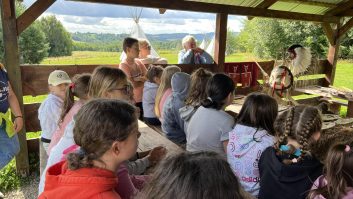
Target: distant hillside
[
  {"x": 106, "y": 37},
  {"x": 113, "y": 42}
]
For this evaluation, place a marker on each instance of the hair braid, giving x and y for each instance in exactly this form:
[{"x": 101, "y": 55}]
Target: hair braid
[{"x": 282, "y": 140}]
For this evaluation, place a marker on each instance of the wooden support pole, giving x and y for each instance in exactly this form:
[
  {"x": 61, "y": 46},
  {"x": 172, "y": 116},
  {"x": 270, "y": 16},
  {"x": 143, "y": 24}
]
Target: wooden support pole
[
  {"x": 12, "y": 64},
  {"x": 329, "y": 32},
  {"x": 332, "y": 56},
  {"x": 220, "y": 40},
  {"x": 31, "y": 14}
]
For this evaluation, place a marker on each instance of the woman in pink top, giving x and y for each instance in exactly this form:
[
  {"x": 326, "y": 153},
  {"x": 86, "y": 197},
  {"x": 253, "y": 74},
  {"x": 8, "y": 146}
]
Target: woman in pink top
[
  {"x": 134, "y": 69},
  {"x": 78, "y": 88},
  {"x": 164, "y": 89}
]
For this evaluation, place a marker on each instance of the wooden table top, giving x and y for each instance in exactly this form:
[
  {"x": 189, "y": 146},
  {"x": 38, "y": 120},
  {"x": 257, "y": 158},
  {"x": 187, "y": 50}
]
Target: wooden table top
[{"x": 150, "y": 138}]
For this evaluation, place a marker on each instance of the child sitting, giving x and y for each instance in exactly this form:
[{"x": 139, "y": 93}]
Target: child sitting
[
  {"x": 209, "y": 127},
  {"x": 164, "y": 89},
  {"x": 107, "y": 132},
  {"x": 288, "y": 170},
  {"x": 252, "y": 134},
  {"x": 194, "y": 176},
  {"x": 197, "y": 93},
  {"x": 134, "y": 69},
  {"x": 337, "y": 180},
  {"x": 50, "y": 109},
  {"x": 78, "y": 88},
  {"x": 150, "y": 88},
  {"x": 172, "y": 124}
]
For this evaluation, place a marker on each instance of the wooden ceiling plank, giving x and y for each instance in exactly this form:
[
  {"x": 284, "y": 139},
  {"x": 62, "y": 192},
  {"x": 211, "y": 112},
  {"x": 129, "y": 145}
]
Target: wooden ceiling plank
[
  {"x": 32, "y": 13},
  {"x": 340, "y": 8},
  {"x": 219, "y": 8},
  {"x": 313, "y": 3}
]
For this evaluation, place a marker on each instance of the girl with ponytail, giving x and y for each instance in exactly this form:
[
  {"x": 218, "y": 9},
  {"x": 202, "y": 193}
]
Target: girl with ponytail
[
  {"x": 78, "y": 88},
  {"x": 209, "y": 127},
  {"x": 337, "y": 181},
  {"x": 288, "y": 169},
  {"x": 107, "y": 132}
]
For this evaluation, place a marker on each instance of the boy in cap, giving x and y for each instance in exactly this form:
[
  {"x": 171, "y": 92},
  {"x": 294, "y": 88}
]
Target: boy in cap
[{"x": 50, "y": 110}]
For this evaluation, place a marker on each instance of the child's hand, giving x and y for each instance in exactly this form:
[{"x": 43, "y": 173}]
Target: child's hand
[
  {"x": 157, "y": 154},
  {"x": 140, "y": 79},
  {"x": 18, "y": 124}
]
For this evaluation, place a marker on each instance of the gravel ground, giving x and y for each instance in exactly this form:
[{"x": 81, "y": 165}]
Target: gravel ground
[{"x": 28, "y": 191}]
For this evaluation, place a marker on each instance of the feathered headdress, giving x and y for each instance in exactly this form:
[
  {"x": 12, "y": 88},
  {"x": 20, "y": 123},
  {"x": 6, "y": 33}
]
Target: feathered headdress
[{"x": 301, "y": 59}]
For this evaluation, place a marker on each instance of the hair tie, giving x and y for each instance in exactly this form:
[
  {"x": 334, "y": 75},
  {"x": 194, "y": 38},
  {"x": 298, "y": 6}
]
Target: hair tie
[
  {"x": 82, "y": 152},
  {"x": 347, "y": 149},
  {"x": 209, "y": 98},
  {"x": 72, "y": 85}
]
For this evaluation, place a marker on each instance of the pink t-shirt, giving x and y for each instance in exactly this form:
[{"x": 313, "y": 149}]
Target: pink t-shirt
[
  {"x": 166, "y": 94},
  {"x": 59, "y": 132},
  {"x": 136, "y": 70}
]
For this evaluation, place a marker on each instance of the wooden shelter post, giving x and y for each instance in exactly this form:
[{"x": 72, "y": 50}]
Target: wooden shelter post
[
  {"x": 332, "y": 54},
  {"x": 220, "y": 40},
  {"x": 12, "y": 64}
]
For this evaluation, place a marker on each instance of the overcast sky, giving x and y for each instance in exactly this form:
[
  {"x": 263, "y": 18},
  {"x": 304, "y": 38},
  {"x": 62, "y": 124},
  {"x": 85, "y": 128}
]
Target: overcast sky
[{"x": 104, "y": 18}]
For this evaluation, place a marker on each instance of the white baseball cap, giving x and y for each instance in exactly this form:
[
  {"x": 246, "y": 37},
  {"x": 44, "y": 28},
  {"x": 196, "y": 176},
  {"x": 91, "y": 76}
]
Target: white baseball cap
[{"x": 58, "y": 77}]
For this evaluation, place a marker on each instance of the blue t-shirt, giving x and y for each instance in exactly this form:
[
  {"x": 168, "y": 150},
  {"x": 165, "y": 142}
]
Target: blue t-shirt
[{"x": 4, "y": 91}]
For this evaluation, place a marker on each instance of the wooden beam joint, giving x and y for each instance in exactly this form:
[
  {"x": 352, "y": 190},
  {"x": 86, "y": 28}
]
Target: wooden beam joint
[{"x": 31, "y": 14}]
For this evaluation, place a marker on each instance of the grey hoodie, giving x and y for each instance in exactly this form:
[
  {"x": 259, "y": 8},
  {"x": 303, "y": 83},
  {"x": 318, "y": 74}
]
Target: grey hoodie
[
  {"x": 148, "y": 99},
  {"x": 173, "y": 125},
  {"x": 186, "y": 113}
]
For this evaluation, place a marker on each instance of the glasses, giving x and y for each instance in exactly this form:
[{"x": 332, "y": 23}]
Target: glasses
[{"x": 127, "y": 89}]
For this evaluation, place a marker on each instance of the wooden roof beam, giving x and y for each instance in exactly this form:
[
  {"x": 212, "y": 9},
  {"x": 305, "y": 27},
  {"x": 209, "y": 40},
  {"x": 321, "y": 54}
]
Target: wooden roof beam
[
  {"x": 345, "y": 28},
  {"x": 265, "y": 4},
  {"x": 340, "y": 8},
  {"x": 31, "y": 14},
  {"x": 219, "y": 8}
]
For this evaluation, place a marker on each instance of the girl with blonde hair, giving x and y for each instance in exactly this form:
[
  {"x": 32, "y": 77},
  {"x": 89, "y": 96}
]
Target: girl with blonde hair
[{"x": 165, "y": 89}]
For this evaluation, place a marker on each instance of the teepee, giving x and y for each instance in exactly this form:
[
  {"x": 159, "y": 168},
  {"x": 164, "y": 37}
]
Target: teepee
[
  {"x": 211, "y": 47},
  {"x": 204, "y": 42},
  {"x": 137, "y": 32}
]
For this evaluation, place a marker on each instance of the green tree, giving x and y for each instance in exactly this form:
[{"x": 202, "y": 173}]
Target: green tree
[
  {"x": 60, "y": 42},
  {"x": 269, "y": 38},
  {"x": 33, "y": 46},
  {"x": 231, "y": 42},
  {"x": 32, "y": 42}
]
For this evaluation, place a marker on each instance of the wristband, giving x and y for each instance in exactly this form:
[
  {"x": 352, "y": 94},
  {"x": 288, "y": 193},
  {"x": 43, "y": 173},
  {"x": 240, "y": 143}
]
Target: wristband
[{"x": 18, "y": 116}]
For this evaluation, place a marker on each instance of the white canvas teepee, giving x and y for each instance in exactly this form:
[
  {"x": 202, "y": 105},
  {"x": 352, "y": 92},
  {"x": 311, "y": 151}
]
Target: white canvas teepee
[
  {"x": 137, "y": 32},
  {"x": 211, "y": 46},
  {"x": 204, "y": 43}
]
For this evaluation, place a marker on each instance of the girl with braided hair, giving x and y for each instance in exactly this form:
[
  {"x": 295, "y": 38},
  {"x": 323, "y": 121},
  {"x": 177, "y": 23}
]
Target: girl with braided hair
[
  {"x": 288, "y": 169},
  {"x": 337, "y": 181}
]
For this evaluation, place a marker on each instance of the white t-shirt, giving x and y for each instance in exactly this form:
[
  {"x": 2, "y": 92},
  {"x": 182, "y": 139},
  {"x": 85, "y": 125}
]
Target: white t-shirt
[
  {"x": 207, "y": 130},
  {"x": 49, "y": 114}
]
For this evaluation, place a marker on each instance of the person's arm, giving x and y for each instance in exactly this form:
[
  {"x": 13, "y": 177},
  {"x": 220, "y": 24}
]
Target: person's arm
[
  {"x": 16, "y": 110},
  {"x": 206, "y": 58},
  {"x": 185, "y": 57}
]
